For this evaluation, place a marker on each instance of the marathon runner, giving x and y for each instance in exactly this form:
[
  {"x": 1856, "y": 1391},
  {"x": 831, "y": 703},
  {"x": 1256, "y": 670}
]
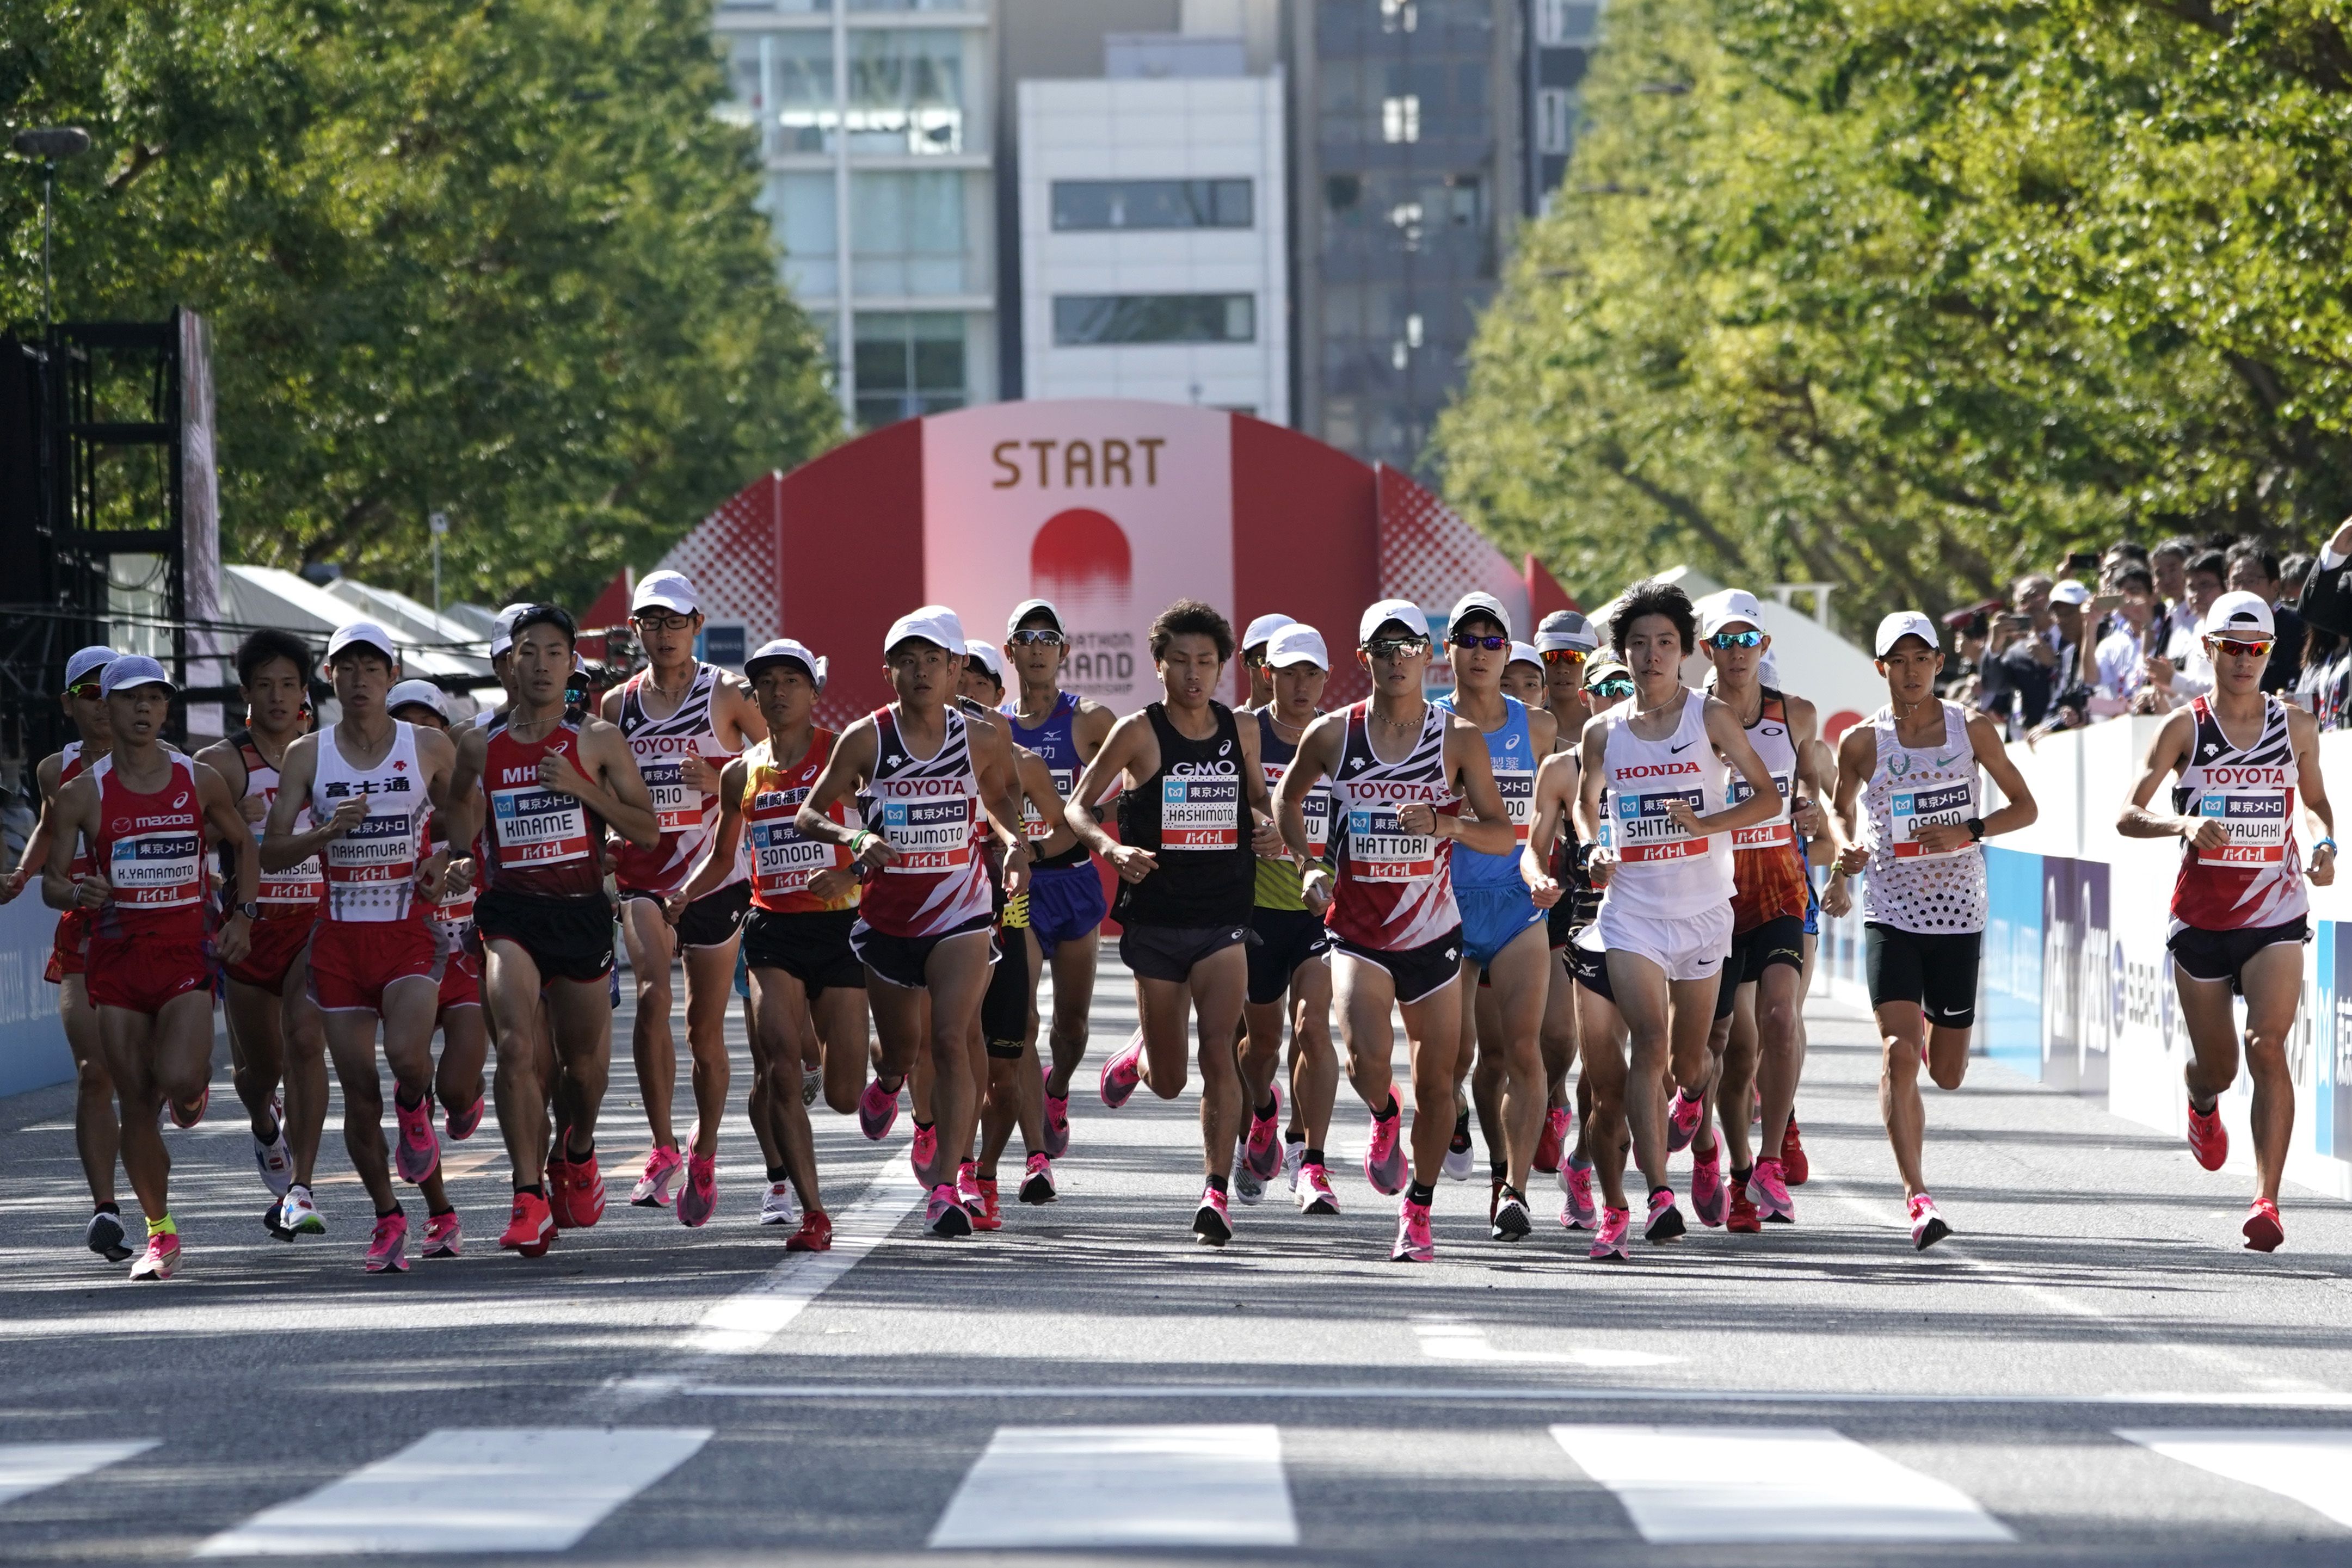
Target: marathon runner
[
  {"x": 1505, "y": 948},
  {"x": 1913, "y": 767},
  {"x": 1390, "y": 908},
  {"x": 142, "y": 809},
  {"x": 370, "y": 785},
  {"x": 683, "y": 720},
  {"x": 808, "y": 990},
  {"x": 554, "y": 777},
  {"x": 2239, "y": 758},
  {"x": 275, "y": 1032},
  {"x": 1193, "y": 814},
  {"x": 1289, "y": 955},
  {"x": 938, "y": 782},
  {"x": 1666, "y": 915},
  {"x": 1565, "y": 642},
  {"x": 1066, "y": 904},
  {"x": 1523, "y": 677},
  {"x": 1255, "y": 641},
  {"x": 97, "y": 1136}
]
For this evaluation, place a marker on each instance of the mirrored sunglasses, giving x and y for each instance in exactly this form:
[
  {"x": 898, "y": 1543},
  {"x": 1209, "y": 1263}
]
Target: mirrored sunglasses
[
  {"x": 1736, "y": 639},
  {"x": 1474, "y": 640},
  {"x": 1393, "y": 647}
]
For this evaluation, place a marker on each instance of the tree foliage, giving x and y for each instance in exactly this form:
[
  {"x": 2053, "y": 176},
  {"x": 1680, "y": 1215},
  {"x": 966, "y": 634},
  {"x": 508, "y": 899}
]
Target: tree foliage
[
  {"x": 495, "y": 258},
  {"x": 1912, "y": 295}
]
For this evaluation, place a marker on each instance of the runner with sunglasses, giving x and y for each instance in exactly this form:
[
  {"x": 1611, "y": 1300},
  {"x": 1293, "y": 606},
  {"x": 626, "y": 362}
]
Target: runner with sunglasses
[
  {"x": 1389, "y": 898},
  {"x": 1066, "y": 903},
  {"x": 1915, "y": 768},
  {"x": 2240, "y": 759},
  {"x": 98, "y": 1132}
]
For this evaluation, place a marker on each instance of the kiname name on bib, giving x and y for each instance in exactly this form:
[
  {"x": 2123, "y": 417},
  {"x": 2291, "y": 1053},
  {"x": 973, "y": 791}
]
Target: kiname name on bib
[{"x": 537, "y": 826}]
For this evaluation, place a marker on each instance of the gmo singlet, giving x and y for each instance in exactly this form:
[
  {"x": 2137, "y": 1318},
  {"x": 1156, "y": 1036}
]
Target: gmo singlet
[
  {"x": 1662, "y": 872},
  {"x": 927, "y": 808},
  {"x": 782, "y": 862},
  {"x": 1194, "y": 817},
  {"x": 150, "y": 848},
  {"x": 542, "y": 843},
  {"x": 1912, "y": 788},
  {"x": 2255, "y": 879},
  {"x": 1395, "y": 889},
  {"x": 685, "y": 816}
]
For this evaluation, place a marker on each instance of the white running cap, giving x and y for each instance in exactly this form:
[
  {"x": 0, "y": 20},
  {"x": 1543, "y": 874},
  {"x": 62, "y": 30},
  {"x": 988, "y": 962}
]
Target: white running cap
[
  {"x": 670, "y": 590},
  {"x": 1477, "y": 604},
  {"x": 1028, "y": 607},
  {"x": 786, "y": 651},
  {"x": 365, "y": 635},
  {"x": 82, "y": 661},
  {"x": 1901, "y": 624},
  {"x": 133, "y": 670},
  {"x": 2069, "y": 591},
  {"x": 989, "y": 659},
  {"x": 1524, "y": 653},
  {"x": 2239, "y": 612},
  {"x": 1404, "y": 612},
  {"x": 932, "y": 623},
  {"x": 1297, "y": 644},
  {"x": 1732, "y": 607},
  {"x": 1263, "y": 629},
  {"x": 1566, "y": 631},
  {"x": 415, "y": 693},
  {"x": 502, "y": 629}
]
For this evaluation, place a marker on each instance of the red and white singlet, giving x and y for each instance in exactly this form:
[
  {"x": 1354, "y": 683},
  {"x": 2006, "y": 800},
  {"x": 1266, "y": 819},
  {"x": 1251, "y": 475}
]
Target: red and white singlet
[
  {"x": 540, "y": 842},
  {"x": 685, "y": 816},
  {"x": 782, "y": 861},
  {"x": 151, "y": 849},
  {"x": 299, "y": 889},
  {"x": 927, "y": 808},
  {"x": 2256, "y": 879},
  {"x": 371, "y": 870},
  {"x": 1395, "y": 889}
]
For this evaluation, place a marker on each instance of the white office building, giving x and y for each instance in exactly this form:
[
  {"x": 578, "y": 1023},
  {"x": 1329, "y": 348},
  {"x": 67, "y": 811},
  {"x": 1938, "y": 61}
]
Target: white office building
[{"x": 1153, "y": 229}]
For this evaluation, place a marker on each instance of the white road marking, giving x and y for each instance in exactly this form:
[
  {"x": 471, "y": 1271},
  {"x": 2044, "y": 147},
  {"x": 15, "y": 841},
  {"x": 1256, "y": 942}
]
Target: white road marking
[
  {"x": 1123, "y": 1487},
  {"x": 2307, "y": 1466},
  {"x": 1585, "y": 1394},
  {"x": 28, "y": 1467},
  {"x": 1718, "y": 1483},
  {"x": 1450, "y": 1340},
  {"x": 484, "y": 1488},
  {"x": 744, "y": 1322}
]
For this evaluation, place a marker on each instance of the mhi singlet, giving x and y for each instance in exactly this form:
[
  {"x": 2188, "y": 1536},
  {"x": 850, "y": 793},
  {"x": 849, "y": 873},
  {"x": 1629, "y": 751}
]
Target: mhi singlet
[
  {"x": 685, "y": 816},
  {"x": 1912, "y": 788},
  {"x": 1662, "y": 872},
  {"x": 1279, "y": 883},
  {"x": 2255, "y": 879},
  {"x": 927, "y": 808},
  {"x": 1767, "y": 873},
  {"x": 541, "y": 842},
  {"x": 371, "y": 870},
  {"x": 1394, "y": 889},
  {"x": 782, "y": 861},
  {"x": 1193, "y": 816},
  {"x": 298, "y": 889},
  {"x": 150, "y": 848},
  {"x": 1511, "y": 750}
]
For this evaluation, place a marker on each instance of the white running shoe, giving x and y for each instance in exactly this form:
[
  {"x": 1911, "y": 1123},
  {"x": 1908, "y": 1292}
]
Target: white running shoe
[
  {"x": 298, "y": 1216},
  {"x": 812, "y": 1084},
  {"x": 1248, "y": 1190},
  {"x": 780, "y": 1206},
  {"x": 273, "y": 1158},
  {"x": 1293, "y": 1156}
]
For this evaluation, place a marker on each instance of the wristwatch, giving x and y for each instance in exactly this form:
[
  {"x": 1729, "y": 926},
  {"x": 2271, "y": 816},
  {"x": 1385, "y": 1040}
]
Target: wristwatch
[
  {"x": 249, "y": 909},
  {"x": 1976, "y": 829}
]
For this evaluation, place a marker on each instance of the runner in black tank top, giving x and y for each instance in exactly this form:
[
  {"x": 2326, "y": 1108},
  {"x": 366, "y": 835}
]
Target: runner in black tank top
[{"x": 1191, "y": 815}]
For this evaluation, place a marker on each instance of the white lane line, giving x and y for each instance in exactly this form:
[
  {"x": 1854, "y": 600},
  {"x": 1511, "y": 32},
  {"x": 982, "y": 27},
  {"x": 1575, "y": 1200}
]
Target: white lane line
[
  {"x": 1413, "y": 1392},
  {"x": 484, "y": 1489},
  {"x": 28, "y": 1467},
  {"x": 1451, "y": 1340},
  {"x": 1123, "y": 1487},
  {"x": 2308, "y": 1466},
  {"x": 744, "y": 1322},
  {"x": 1716, "y": 1483}
]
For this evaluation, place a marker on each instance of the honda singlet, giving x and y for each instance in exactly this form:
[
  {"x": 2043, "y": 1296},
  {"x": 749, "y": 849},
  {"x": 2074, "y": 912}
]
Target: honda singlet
[
  {"x": 1511, "y": 750},
  {"x": 1395, "y": 889},
  {"x": 927, "y": 808},
  {"x": 685, "y": 816},
  {"x": 1912, "y": 788},
  {"x": 542, "y": 843},
  {"x": 782, "y": 861},
  {"x": 371, "y": 870},
  {"x": 150, "y": 848},
  {"x": 2255, "y": 879},
  {"x": 1662, "y": 872},
  {"x": 298, "y": 888}
]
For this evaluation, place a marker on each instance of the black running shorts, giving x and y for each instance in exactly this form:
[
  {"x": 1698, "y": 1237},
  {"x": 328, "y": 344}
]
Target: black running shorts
[
  {"x": 568, "y": 939},
  {"x": 1280, "y": 941},
  {"x": 1169, "y": 952},
  {"x": 710, "y": 921},
  {"x": 1416, "y": 972},
  {"x": 1936, "y": 970},
  {"x": 2222, "y": 955},
  {"x": 1779, "y": 940},
  {"x": 812, "y": 948},
  {"x": 1004, "y": 1006},
  {"x": 905, "y": 961}
]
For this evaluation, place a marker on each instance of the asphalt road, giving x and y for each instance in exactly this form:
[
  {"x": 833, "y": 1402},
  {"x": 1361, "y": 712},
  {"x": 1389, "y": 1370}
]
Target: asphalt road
[{"x": 2088, "y": 1372}]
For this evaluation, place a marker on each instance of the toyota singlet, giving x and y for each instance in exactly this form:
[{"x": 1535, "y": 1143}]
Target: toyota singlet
[
  {"x": 927, "y": 808},
  {"x": 2255, "y": 879},
  {"x": 1193, "y": 816},
  {"x": 1395, "y": 889},
  {"x": 541, "y": 841},
  {"x": 298, "y": 888},
  {"x": 685, "y": 816},
  {"x": 1662, "y": 872},
  {"x": 150, "y": 848},
  {"x": 1511, "y": 750},
  {"x": 782, "y": 861},
  {"x": 1912, "y": 788},
  {"x": 1278, "y": 881},
  {"x": 1057, "y": 741},
  {"x": 371, "y": 870},
  {"x": 1768, "y": 874}
]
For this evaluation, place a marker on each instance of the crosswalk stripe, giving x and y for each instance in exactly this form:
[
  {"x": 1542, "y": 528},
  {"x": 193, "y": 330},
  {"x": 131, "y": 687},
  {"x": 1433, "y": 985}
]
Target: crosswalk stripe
[
  {"x": 27, "y": 1468},
  {"x": 1123, "y": 1487},
  {"x": 745, "y": 1321},
  {"x": 1716, "y": 1483},
  {"x": 483, "y": 1489},
  {"x": 2309, "y": 1465}
]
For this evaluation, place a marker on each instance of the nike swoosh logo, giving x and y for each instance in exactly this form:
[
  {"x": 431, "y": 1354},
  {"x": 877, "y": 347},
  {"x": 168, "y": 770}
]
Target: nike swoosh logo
[
  {"x": 1948, "y": 761},
  {"x": 1685, "y": 745}
]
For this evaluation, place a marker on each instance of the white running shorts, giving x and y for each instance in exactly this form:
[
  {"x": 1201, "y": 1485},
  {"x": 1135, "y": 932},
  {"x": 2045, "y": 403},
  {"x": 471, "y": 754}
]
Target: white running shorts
[{"x": 1690, "y": 948}]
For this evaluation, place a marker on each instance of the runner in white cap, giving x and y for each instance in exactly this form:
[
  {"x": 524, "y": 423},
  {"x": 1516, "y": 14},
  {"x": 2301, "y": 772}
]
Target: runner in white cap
[
  {"x": 1523, "y": 677},
  {"x": 2238, "y": 759},
  {"x": 1912, "y": 806},
  {"x": 1256, "y": 638},
  {"x": 683, "y": 719},
  {"x": 1565, "y": 642}
]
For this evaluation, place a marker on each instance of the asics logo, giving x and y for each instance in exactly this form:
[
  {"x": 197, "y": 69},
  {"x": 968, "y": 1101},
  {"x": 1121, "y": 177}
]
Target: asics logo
[{"x": 1223, "y": 747}]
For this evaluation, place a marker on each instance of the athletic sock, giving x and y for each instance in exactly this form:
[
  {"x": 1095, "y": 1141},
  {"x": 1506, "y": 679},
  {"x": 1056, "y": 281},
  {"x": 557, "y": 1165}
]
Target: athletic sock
[
  {"x": 1655, "y": 1191},
  {"x": 923, "y": 1126},
  {"x": 1390, "y": 1114},
  {"x": 1510, "y": 1191},
  {"x": 1216, "y": 1183},
  {"x": 1739, "y": 1175},
  {"x": 535, "y": 1190},
  {"x": 1499, "y": 1169},
  {"x": 2207, "y": 1108},
  {"x": 1313, "y": 1157},
  {"x": 1273, "y": 1104},
  {"x": 109, "y": 1207},
  {"x": 400, "y": 1098},
  {"x": 582, "y": 1156},
  {"x": 1685, "y": 1096},
  {"x": 388, "y": 1213},
  {"x": 438, "y": 1213},
  {"x": 1421, "y": 1194},
  {"x": 777, "y": 1174},
  {"x": 1294, "y": 1137},
  {"x": 162, "y": 1227}
]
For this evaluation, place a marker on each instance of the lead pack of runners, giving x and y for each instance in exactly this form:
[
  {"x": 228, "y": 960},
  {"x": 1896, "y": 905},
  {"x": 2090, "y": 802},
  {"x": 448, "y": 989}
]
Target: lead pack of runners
[{"x": 1589, "y": 891}]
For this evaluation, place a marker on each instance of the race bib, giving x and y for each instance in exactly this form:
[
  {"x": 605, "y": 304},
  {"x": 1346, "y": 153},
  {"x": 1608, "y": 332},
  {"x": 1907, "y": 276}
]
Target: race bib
[
  {"x": 1518, "y": 789},
  {"x": 538, "y": 827},
  {"x": 1929, "y": 806},
  {"x": 369, "y": 869},
  {"x": 1380, "y": 850},
  {"x": 930, "y": 835},
  {"x": 2257, "y": 823},
  {"x": 1200, "y": 811},
  {"x": 158, "y": 870},
  {"x": 1315, "y": 808},
  {"x": 1764, "y": 835},
  {"x": 1038, "y": 829},
  {"x": 677, "y": 809},
  {"x": 1645, "y": 831}
]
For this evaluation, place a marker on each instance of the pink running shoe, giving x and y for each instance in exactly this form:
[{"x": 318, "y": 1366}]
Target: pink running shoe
[
  {"x": 697, "y": 1200},
  {"x": 387, "y": 1250},
  {"x": 161, "y": 1259},
  {"x": 967, "y": 1185},
  {"x": 1212, "y": 1222},
  {"x": 877, "y": 1109},
  {"x": 1682, "y": 1121},
  {"x": 1265, "y": 1150},
  {"x": 1768, "y": 1189},
  {"x": 1576, "y": 1181},
  {"x": 1037, "y": 1179},
  {"x": 444, "y": 1235},
  {"x": 1057, "y": 1119},
  {"x": 584, "y": 1193},
  {"x": 1122, "y": 1072},
  {"x": 1314, "y": 1194},
  {"x": 1709, "y": 1199},
  {"x": 1554, "y": 1139},
  {"x": 1384, "y": 1161},
  {"x": 1413, "y": 1242},
  {"x": 417, "y": 1155},
  {"x": 1665, "y": 1221},
  {"x": 1928, "y": 1226},
  {"x": 664, "y": 1172},
  {"x": 944, "y": 1216},
  {"x": 1608, "y": 1241},
  {"x": 460, "y": 1125},
  {"x": 2208, "y": 1139},
  {"x": 922, "y": 1149}
]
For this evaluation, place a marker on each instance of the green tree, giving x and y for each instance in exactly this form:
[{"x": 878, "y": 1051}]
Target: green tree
[{"x": 496, "y": 257}]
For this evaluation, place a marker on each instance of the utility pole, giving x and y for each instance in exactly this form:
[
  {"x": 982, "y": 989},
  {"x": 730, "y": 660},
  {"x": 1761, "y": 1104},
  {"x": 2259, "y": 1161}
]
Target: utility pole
[{"x": 439, "y": 523}]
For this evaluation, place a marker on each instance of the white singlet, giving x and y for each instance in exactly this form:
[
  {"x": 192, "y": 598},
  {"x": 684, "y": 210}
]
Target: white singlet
[
  {"x": 371, "y": 870},
  {"x": 1662, "y": 872},
  {"x": 1912, "y": 788}
]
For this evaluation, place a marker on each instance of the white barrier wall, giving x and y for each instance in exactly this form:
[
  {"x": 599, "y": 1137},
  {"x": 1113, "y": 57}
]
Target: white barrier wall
[{"x": 2076, "y": 989}]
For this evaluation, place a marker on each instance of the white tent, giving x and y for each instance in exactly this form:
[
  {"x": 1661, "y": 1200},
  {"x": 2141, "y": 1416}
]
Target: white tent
[{"x": 266, "y": 596}]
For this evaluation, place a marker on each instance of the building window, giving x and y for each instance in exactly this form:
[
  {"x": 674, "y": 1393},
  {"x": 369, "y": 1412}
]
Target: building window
[
  {"x": 1401, "y": 117},
  {"x": 906, "y": 90},
  {"x": 1574, "y": 23},
  {"x": 909, "y": 362},
  {"x": 800, "y": 209},
  {"x": 906, "y": 232},
  {"x": 1090, "y": 318},
  {"x": 782, "y": 84},
  {"x": 1555, "y": 119},
  {"x": 1081, "y": 204}
]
